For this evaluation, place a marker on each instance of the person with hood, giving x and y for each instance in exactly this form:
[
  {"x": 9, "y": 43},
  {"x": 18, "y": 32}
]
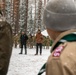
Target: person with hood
[
  {"x": 60, "y": 20},
  {"x": 6, "y": 44}
]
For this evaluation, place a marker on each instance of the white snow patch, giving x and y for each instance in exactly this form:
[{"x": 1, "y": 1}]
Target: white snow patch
[
  {"x": 45, "y": 33},
  {"x": 21, "y": 64}
]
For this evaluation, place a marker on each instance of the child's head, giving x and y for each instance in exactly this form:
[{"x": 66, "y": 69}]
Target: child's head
[{"x": 59, "y": 16}]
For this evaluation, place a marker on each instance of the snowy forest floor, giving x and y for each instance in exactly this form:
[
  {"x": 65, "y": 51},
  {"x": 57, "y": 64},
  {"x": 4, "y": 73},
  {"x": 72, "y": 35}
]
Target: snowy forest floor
[{"x": 21, "y": 64}]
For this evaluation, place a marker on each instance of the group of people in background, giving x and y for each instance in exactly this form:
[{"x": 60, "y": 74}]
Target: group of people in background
[{"x": 38, "y": 41}]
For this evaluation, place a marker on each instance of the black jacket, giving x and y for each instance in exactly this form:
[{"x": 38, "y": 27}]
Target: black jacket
[{"x": 23, "y": 39}]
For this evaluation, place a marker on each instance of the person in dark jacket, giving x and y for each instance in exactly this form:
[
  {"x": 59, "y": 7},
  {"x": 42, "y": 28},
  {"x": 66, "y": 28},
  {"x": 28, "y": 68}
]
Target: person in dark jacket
[{"x": 23, "y": 40}]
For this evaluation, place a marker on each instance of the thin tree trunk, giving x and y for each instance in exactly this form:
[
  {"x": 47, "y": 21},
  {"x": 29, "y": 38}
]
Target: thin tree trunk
[
  {"x": 44, "y": 2},
  {"x": 26, "y": 16},
  {"x": 3, "y": 3},
  {"x": 39, "y": 13},
  {"x": 16, "y": 15},
  {"x": 35, "y": 18}
]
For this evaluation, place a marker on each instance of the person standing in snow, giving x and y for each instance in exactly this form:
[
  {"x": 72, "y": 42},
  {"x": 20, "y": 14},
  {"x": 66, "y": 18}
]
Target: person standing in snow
[
  {"x": 39, "y": 40},
  {"x": 15, "y": 40},
  {"x": 30, "y": 41},
  {"x": 60, "y": 20},
  {"x": 23, "y": 41},
  {"x": 47, "y": 42}
]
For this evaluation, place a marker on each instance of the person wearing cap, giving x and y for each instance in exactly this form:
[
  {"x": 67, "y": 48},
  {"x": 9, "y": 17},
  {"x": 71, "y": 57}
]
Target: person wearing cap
[{"x": 60, "y": 20}]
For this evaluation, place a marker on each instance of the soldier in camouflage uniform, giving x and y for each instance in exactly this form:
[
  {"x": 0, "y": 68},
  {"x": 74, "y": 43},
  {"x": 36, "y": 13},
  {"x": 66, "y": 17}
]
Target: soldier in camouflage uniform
[
  {"x": 16, "y": 40},
  {"x": 5, "y": 46},
  {"x": 44, "y": 42},
  {"x": 30, "y": 41},
  {"x": 60, "y": 20},
  {"x": 47, "y": 42},
  {"x": 34, "y": 42}
]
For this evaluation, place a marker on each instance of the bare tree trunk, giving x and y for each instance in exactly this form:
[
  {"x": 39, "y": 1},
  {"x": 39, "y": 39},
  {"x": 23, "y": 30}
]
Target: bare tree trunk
[
  {"x": 11, "y": 13},
  {"x": 39, "y": 13},
  {"x": 47, "y": 0},
  {"x": 3, "y": 3},
  {"x": 16, "y": 15},
  {"x": 44, "y": 2},
  {"x": 35, "y": 18},
  {"x": 26, "y": 16}
]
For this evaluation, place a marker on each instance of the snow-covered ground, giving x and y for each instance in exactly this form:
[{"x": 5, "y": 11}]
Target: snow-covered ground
[{"x": 21, "y": 64}]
